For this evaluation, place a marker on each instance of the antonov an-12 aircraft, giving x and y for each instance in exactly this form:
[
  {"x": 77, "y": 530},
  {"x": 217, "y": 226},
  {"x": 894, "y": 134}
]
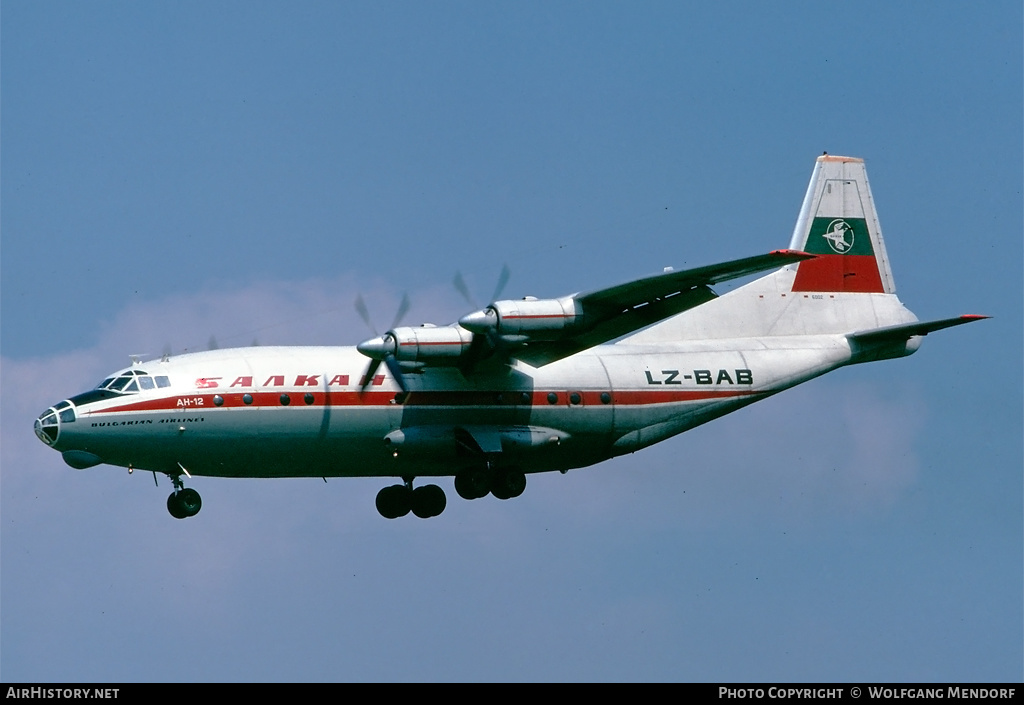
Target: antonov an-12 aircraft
[{"x": 518, "y": 387}]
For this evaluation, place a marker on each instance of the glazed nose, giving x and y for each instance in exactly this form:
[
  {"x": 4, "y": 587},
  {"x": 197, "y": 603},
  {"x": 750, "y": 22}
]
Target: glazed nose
[{"x": 47, "y": 426}]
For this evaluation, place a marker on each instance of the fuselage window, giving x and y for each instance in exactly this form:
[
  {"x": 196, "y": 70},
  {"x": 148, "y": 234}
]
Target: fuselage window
[
  {"x": 146, "y": 383},
  {"x": 162, "y": 381}
]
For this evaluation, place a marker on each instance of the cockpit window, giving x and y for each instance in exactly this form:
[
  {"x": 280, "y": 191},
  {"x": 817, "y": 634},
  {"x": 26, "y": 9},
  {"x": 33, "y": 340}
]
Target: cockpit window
[
  {"x": 118, "y": 384},
  {"x": 132, "y": 381}
]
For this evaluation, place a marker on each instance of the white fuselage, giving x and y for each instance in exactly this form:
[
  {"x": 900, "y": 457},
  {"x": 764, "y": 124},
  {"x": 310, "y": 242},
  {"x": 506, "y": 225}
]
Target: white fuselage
[{"x": 299, "y": 411}]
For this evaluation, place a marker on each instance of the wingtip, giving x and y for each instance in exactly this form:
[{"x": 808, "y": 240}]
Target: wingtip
[
  {"x": 792, "y": 254},
  {"x": 973, "y": 317}
]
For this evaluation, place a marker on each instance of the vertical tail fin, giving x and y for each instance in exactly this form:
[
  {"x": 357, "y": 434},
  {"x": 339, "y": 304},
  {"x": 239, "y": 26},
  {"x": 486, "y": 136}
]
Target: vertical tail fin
[{"x": 838, "y": 223}]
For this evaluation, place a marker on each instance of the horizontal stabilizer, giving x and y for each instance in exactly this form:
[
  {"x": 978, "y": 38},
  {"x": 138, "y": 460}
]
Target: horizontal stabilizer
[{"x": 909, "y": 330}]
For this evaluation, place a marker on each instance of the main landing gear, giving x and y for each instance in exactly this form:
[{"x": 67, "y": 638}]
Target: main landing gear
[
  {"x": 503, "y": 484},
  {"x": 184, "y": 502},
  {"x": 429, "y": 500},
  {"x": 398, "y": 500}
]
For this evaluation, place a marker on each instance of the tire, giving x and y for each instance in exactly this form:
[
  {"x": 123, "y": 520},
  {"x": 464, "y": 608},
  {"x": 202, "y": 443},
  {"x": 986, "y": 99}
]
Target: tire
[
  {"x": 190, "y": 501},
  {"x": 394, "y": 501},
  {"x": 428, "y": 501},
  {"x": 508, "y": 484},
  {"x": 174, "y": 506}
]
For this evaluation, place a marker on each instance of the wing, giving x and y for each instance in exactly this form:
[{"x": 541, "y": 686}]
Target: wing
[
  {"x": 611, "y": 313},
  {"x": 540, "y": 331}
]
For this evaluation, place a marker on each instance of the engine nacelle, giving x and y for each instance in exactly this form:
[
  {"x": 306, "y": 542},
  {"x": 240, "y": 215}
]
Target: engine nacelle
[
  {"x": 429, "y": 343},
  {"x": 444, "y": 441},
  {"x": 421, "y": 344},
  {"x": 535, "y": 319}
]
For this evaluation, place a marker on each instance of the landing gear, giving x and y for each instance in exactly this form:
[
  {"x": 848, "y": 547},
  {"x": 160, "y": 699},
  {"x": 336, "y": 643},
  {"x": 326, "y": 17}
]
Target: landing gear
[
  {"x": 428, "y": 501},
  {"x": 508, "y": 484},
  {"x": 473, "y": 484},
  {"x": 398, "y": 500},
  {"x": 394, "y": 501},
  {"x": 503, "y": 484},
  {"x": 184, "y": 502}
]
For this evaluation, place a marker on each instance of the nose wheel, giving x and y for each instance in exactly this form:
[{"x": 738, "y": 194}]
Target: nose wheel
[{"x": 184, "y": 502}]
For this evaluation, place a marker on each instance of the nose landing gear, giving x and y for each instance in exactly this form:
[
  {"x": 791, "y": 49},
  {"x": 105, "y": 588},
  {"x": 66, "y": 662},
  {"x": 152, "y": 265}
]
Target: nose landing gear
[{"x": 184, "y": 502}]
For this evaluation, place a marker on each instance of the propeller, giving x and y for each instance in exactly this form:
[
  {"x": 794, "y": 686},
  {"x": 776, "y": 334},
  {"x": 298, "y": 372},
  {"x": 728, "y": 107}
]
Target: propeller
[
  {"x": 382, "y": 348},
  {"x": 460, "y": 286},
  {"x": 483, "y": 344}
]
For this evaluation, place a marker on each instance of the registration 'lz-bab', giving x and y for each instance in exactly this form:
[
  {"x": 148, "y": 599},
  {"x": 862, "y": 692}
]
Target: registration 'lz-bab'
[{"x": 519, "y": 387}]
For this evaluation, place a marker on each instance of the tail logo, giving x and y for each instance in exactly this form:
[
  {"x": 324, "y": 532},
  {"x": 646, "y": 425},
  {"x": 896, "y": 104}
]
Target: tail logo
[{"x": 839, "y": 235}]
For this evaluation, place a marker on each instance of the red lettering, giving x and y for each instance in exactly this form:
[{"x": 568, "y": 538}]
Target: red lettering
[
  {"x": 306, "y": 380},
  {"x": 274, "y": 381},
  {"x": 339, "y": 379},
  {"x": 242, "y": 382}
]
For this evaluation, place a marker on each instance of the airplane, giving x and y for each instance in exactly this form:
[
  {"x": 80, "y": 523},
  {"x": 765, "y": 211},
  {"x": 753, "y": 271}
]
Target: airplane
[{"x": 520, "y": 386}]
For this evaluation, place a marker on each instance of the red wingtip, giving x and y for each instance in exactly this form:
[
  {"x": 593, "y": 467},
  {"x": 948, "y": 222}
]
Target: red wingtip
[
  {"x": 793, "y": 253},
  {"x": 973, "y": 317}
]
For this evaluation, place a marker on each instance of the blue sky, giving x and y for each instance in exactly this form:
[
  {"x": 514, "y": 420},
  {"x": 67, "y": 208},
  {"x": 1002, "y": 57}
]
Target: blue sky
[{"x": 172, "y": 172}]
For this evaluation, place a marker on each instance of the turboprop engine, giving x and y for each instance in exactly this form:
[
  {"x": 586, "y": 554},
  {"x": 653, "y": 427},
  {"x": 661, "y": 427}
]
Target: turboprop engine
[
  {"x": 426, "y": 343},
  {"x": 526, "y": 319}
]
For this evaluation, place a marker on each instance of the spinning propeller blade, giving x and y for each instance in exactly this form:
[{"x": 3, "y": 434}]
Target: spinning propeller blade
[{"x": 388, "y": 358}]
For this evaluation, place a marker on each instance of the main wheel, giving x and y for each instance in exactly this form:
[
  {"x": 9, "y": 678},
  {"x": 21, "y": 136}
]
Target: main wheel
[
  {"x": 508, "y": 484},
  {"x": 428, "y": 501},
  {"x": 473, "y": 484},
  {"x": 394, "y": 501}
]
